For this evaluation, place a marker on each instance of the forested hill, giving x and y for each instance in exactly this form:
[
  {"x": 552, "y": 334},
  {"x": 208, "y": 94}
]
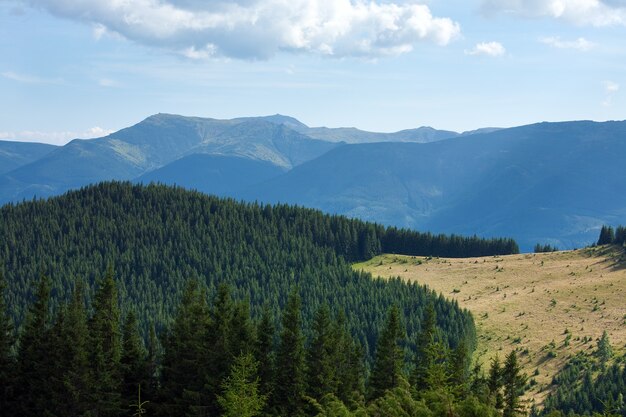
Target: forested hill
[{"x": 157, "y": 238}]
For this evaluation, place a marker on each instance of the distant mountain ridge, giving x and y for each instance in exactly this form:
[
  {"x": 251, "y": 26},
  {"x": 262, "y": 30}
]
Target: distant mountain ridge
[
  {"x": 553, "y": 183},
  {"x": 15, "y": 154}
]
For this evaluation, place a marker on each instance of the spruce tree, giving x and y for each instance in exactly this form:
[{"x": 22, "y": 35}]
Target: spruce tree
[
  {"x": 321, "y": 356},
  {"x": 424, "y": 351},
  {"x": 7, "y": 360},
  {"x": 513, "y": 381},
  {"x": 494, "y": 382},
  {"x": 289, "y": 389},
  {"x": 349, "y": 364},
  {"x": 607, "y": 236},
  {"x": 71, "y": 383},
  {"x": 133, "y": 362},
  {"x": 241, "y": 396},
  {"x": 184, "y": 365},
  {"x": 106, "y": 348},
  {"x": 34, "y": 364},
  {"x": 264, "y": 352},
  {"x": 604, "y": 351},
  {"x": 389, "y": 356},
  {"x": 459, "y": 367}
]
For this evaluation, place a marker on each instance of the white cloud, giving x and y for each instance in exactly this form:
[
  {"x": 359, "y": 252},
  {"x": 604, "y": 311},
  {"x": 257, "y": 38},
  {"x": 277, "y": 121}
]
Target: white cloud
[
  {"x": 580, "y": 44},
  {"x": 580, "y": 12},
  {"x": 610, "y": 89},
  {"x": 29, "y": 79},
  {"x": 107, "y": 82},
  {"x": 488, "y": 49},
  {"x": 258, "y": 29},
  {"x": 57, "y": 138}
]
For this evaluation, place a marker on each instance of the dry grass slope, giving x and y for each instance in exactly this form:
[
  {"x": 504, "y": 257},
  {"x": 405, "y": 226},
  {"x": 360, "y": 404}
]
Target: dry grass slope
[{"x": 548, "y": 306}]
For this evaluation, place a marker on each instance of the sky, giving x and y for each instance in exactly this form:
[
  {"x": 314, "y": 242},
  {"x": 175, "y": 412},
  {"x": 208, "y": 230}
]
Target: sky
[{"x": 81, "y": 69}]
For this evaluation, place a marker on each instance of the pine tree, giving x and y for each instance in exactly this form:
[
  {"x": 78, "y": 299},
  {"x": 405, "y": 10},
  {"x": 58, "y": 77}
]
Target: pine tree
[
  {"x": 607, "y": 236},
  {"x": 183, "y": 376},
  {"x": 264, "y": 352},
  {"x": 604, "y": 351},
  {"x": 459, "y": 367},
  {"x": 106, "y": 348},
  {"x": 513, "y": 381},
  {"x": 321, "y": 355},
  {"x": 349, "y": 364},
  {"x": 7, "y": 361},
  {"x": 133, "y": 362},
  {"x": 389, "y": 356},
  {"x": 290, "y": 386},
  {"x": 219, "y": 335},
  {"x": 242, "y": 335},
  {"x": 494, "y": 382},
  {"x": 424, "y": 359},
  {"x": 620, "y": 235},
  {"x": 34, "y": 365},
  {"x": 241, "y": 397},
  {"x": 71, "y": 383}
]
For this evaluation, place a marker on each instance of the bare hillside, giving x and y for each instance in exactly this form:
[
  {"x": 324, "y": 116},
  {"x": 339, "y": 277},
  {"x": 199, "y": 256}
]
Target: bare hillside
[{"x": 548, "y": 306}]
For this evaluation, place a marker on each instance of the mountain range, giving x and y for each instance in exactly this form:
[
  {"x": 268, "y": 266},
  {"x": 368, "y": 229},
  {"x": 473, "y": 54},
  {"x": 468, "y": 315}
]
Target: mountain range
[{"x": 553, "y": 183}]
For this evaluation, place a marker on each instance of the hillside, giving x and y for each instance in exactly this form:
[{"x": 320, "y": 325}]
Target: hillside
[
  {"x": 157, "y": 238},
  {"x": 163, "y": 139},
  {"x": 212, "y": 174},
  {"x": 528, "y": 301},
  {"x": 153, "y": 143},
  {"x": 15, "y": 154},
  {"x": 537, "y": 183}
]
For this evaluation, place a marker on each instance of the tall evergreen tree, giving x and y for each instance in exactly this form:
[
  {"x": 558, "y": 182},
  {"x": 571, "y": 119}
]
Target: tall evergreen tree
[
  {"x": 349, "y": 364},
  {"x": 513, "y": 380},
  {"x": 389, "y": 356},
  {"x": 241, "y": 397},
  {"x": 134, "y": 362},
  {"x": 7, "y": 360},
  {"x": 106, "y": 348},
  {"x": 71, "y": 383},
  {"x": 221, "y": 341},
  {"x": 424, "y": 359},
  {"x": 290, "y": 386},
  {"x": 183, "y": 375},
  {"x": 607, "y": 236},
  {"x": 264, "y": 352},
  {"x": 604, "y": 351},
  {"x": 494, "y": 382},
  {"x": 321, "y": 356},
  {"x": 34, "y": 364}
]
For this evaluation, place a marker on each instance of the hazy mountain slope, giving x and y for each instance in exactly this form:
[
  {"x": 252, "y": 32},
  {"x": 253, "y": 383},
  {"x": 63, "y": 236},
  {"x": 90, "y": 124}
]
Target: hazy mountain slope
[
  {"x": 551, "y": 182},
  {"x": 353, "y": 135},
  {"x": 15, "y": 154},
  {"x": 154, "y": 143},
  {"x": 265, "y": 141},
  {"x": 218, "y": 175}
]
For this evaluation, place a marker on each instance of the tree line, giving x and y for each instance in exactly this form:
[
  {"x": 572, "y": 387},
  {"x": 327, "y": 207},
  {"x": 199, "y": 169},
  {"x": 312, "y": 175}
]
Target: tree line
[
  {"x": 610, "y": 236},
  {"x": 89, "y": 359}
]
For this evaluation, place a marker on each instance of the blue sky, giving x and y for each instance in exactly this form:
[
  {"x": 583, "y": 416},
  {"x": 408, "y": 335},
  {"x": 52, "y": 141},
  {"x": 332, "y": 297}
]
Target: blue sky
[{"x": 81, "y": 69}]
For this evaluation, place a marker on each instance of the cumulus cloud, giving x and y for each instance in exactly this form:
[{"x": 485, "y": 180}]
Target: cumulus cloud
[
  {"x": 57, "y": 138},
  {"x": 487, "y": 49},
  {"x": 580, "y": 12},
  {"x": 258, "y": 29},
  {"x": 580, "y": 44}
]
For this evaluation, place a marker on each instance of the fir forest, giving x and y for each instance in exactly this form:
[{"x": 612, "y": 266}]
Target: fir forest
[{"x": 122, "y": 299}]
